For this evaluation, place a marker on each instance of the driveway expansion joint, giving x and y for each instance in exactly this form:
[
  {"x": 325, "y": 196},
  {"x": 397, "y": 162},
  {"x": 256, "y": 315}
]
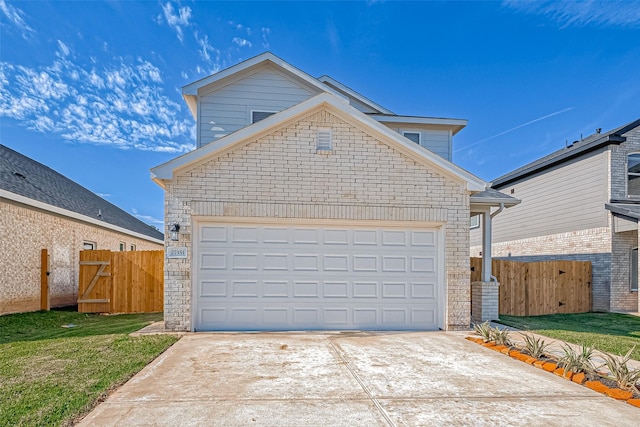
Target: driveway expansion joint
[{"x": 373, "y": 399}]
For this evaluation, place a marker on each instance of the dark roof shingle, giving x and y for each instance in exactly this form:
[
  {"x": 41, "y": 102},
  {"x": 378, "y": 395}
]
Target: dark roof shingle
[{"x": 26, "y": 177}]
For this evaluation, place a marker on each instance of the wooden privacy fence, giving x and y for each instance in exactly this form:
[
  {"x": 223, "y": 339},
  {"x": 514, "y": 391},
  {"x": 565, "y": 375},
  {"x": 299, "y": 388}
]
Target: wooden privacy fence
[
  {"x": 121, "y": 282},
  {"x": 537, "y": 288}
]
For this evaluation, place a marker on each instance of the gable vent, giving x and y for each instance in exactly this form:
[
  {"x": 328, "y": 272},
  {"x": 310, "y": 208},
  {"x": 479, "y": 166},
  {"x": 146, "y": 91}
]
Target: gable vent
[
  {"x": 256, "y": 116},
  {"x": 325, "y": 141}
]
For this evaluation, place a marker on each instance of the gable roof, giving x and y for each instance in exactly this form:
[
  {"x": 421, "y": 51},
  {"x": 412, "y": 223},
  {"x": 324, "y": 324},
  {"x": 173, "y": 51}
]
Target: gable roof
[
  {"x": 337, "y": 106},
  {"x": 190, "y": 91},
  {"x": 329, "y": 81},
  {"x": 29, "y": 182},
  {"x": 578, "y": 148}
]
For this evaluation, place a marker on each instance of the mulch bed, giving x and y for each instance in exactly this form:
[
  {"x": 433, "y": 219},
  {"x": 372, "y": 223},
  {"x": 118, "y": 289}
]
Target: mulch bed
[{"x": 599, "y": 383}]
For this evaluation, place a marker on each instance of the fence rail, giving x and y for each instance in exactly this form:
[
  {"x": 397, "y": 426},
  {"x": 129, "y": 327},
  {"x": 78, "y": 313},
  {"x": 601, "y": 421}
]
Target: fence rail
[
  {"x": 537, "y": 288},
  {"x": 121, "y": 282}
]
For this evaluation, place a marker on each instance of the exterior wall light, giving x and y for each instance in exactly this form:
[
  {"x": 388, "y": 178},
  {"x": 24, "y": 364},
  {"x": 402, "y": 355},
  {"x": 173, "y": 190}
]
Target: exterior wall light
[{"x": 174, "y": 230}]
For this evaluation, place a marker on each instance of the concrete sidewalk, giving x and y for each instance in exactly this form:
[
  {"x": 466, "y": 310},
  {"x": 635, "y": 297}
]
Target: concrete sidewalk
[{"x": 350, "y": 379}]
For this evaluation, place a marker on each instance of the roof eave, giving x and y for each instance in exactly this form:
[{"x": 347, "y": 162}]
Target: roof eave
[{"x": 570, "y": 154}]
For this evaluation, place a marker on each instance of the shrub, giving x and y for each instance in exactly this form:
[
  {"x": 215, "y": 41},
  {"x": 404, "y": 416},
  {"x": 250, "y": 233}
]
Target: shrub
[
  {"x": 484, "y": 330},
  {"x": 620, "y": 371},
  {"x": 536, "y": 347}
]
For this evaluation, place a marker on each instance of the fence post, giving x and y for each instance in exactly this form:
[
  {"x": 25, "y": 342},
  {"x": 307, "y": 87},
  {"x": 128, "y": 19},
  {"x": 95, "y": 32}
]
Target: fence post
[{"x": 45, "y": 271}]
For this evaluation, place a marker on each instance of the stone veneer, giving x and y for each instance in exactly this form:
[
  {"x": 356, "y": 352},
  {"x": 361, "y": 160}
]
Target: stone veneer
[
  {"x": 281, "y": 175},
  {"x": 25, "y": 232}
]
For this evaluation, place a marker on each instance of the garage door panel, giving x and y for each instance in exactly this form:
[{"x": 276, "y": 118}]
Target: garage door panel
[{"x": 286, "y": 278}]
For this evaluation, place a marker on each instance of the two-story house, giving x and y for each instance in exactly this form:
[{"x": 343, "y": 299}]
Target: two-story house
[
  {"x": 581, "y": 202},
  {"x": 308, "y": 206}
]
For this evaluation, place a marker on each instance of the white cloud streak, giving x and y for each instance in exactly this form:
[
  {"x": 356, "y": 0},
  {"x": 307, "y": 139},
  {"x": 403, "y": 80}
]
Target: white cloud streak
[
  {"x": 581, "y": 13},
  {"x": 514, "y": 129},
  {"x": 147, "y": 218},
  {"x": 177, "y": 19},
  {"x": 16, "y": 17},
  {"x": 121, "y": 105}
]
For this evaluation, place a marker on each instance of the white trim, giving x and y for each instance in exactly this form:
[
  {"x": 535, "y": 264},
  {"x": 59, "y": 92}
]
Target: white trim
[
  {"x": 74, "y": 215},
  {"x": 405, "y": 132},
  {"x": 631, "y": 196},
  {"x": 251, "y": 111},
  {"x": 419, "y": 120},
  {"x": 337, "y": 106},
  {"x": 364, "y": 100},
  {"x": 326, "y": 133},
  {"x": 474, "y": 224}
]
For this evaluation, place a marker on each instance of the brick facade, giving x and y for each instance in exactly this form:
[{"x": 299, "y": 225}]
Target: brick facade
[
  {"x": 281, "y": 175},
  {"x": 25, "y": 232}
]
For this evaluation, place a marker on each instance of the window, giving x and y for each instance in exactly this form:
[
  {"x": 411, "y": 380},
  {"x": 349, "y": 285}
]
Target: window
[
  {"x": 88, "y": 246},
  {"x": 474, "y": 222},
  {"x": 633, "y": 174},
  {"x": 634, "y": 270},
  {"x": 256, "y": 116},
  {"x": 412, "y": 136},
  {"x": 325, "y": 142},
  {"x": 132, "y": 248},
  {"x": 122, "y": 246}
]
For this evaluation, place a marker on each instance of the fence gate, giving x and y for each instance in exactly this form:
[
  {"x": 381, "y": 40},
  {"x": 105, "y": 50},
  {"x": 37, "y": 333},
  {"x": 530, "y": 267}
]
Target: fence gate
[
  {"x": 94, "y": 292},
  {"x": 537, "y": 288},
  {"x": 121, "y": 282}
]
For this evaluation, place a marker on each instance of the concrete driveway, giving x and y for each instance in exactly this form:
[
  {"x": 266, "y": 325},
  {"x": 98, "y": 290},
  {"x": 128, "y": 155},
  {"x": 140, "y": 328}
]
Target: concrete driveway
[{"x": 350, "y": 379}]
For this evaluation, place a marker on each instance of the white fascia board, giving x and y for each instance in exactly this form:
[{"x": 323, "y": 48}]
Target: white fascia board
[
  {"x": 363, "y": 99},
  {"x": 340, "y": 107},
  {"x": 73, "y": 215},
  {"x": 419, "y": 120}
]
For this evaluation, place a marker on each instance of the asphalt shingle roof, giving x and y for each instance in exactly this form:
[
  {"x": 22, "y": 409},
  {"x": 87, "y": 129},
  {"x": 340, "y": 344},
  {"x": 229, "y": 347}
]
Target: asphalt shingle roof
[
  {"x": 589, "y": 143},
  {"x": 26, "y": 177}
]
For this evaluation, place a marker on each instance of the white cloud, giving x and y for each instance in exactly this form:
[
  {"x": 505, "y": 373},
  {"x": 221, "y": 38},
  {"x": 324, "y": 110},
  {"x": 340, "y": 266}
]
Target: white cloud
[
  {"x": 15, "y": 16},
  {"x": 147, "y": 218},
  {"x": 121, "y": 104},
  {"x": 240, "y": 42},
  {"x": 580, "y": 13},
  {"x": 63, "y": 49},
  {"x": 177, "y": 20},
  {"x": 266, "y": 32}
]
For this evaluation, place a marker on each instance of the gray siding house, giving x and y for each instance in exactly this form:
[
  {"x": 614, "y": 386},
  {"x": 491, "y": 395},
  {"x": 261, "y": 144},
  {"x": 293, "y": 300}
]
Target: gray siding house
[{"x": 579, "y": 203}]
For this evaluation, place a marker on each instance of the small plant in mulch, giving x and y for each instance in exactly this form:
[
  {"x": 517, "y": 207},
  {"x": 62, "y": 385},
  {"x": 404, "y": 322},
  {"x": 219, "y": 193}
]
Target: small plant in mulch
[
  {"x": 622, "y": 382},
  {"x": 626, "y": 378},
  {"x": 535, "y": 347},
  {"x": 484, "y": 330}
]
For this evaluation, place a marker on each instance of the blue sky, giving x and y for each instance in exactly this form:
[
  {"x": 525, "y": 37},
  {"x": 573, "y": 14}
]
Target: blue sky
[{"x": 93, "y": 89}]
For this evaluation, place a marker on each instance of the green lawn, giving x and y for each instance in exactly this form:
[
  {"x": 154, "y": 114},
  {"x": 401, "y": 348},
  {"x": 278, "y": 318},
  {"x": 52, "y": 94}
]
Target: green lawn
[
  {"x": 51, "y": 372},
  {"x": 609, "y": 332}
]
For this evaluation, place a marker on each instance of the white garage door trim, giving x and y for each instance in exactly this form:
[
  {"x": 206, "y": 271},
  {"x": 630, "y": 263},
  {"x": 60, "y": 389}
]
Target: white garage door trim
[{"x": 412, "y": 306}]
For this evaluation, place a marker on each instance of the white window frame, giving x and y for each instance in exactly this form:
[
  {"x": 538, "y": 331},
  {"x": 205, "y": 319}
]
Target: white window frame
[
  {"x": 260, "y": 111},
  {"x": 132, "y": 247},
  {"x": 122, "y": 246},
  {"x": 631, "y": 196},
  {"x": 474, "y": 222},
  {"x": 405, "y": 132},
  {"x": 86, "y": 243},
  {"x": 633, "y": 287}
]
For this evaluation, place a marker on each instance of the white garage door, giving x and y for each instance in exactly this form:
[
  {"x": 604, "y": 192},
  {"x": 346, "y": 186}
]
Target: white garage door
[{"x": 279, "y": 277}]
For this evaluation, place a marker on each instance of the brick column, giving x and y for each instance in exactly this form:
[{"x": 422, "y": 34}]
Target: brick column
[{"x": 484, "y": 301}]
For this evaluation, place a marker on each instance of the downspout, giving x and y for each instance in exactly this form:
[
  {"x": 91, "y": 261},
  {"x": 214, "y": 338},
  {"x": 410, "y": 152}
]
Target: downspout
[{"x": 492, "y": 277}]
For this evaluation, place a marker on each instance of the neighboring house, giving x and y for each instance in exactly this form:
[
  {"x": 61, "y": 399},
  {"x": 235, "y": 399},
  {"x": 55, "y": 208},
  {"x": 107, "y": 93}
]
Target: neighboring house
[
  {"x": 41, "y": 209},
  {"x": 308, "y": 206},
  {"x": 580, "y": 203}
]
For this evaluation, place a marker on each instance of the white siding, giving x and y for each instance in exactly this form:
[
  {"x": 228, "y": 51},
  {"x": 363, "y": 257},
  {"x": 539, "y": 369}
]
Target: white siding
[
  {"x": 228, "y": 109},
  {"x": 564, "y": 199}
]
